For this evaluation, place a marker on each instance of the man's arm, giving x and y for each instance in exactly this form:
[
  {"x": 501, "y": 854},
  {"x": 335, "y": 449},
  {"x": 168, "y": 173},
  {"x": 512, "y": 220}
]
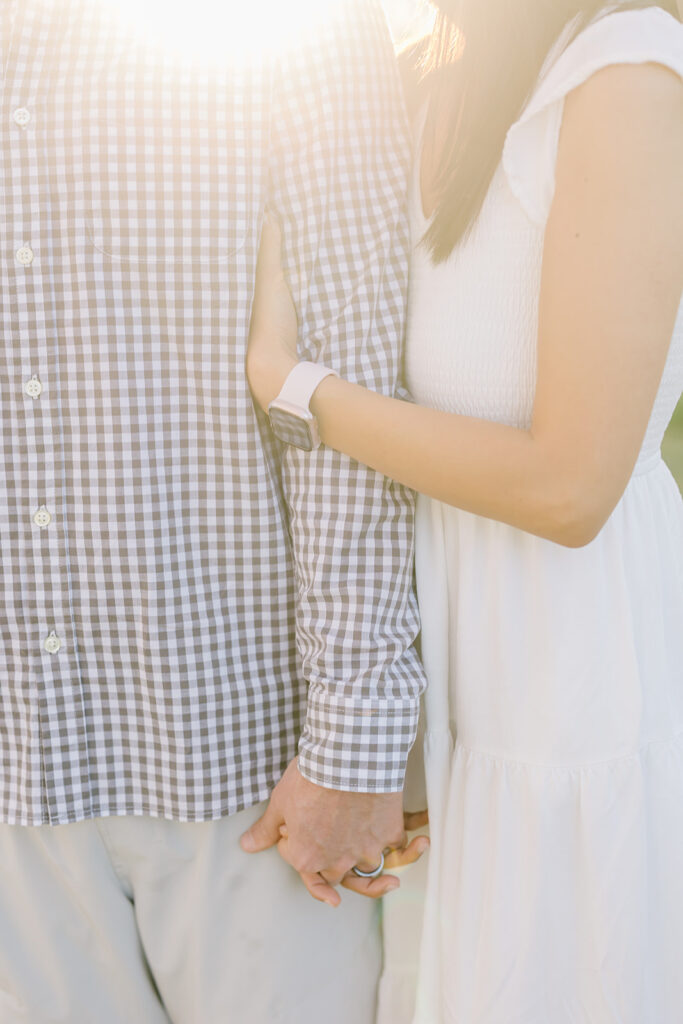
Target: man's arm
[
  {"x": 340, "y": 158},
  {"x": 339, "y": 165}
]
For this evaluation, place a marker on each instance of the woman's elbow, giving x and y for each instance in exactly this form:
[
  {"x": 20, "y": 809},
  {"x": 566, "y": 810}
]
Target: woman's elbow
[
  {"x": 578, "y": 533},
  {"x": 577, "y": 515}
]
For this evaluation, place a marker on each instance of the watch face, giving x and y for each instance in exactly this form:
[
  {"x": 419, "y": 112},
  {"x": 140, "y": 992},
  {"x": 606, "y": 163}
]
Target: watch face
[{"x": 294, "y": 426}]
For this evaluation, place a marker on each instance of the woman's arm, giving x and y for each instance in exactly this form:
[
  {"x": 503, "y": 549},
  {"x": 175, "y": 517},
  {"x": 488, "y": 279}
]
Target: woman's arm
[{"x": 612, "y": 282}]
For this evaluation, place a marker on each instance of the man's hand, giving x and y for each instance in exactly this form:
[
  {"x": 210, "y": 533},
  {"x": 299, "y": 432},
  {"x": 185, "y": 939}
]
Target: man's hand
[{"x": 323, "y": 833}]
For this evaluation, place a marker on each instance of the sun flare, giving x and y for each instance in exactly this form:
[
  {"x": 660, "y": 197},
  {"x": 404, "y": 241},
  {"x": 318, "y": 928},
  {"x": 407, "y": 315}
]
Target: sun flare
[{"x": 221, "y": 31}]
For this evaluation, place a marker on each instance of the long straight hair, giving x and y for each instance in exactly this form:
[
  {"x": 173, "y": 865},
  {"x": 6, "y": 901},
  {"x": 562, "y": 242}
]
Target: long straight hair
[{"x": 478, "y": 69}]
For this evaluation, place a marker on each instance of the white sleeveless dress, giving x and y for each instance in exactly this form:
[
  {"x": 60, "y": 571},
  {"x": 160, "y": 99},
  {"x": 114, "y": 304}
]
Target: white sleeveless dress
[{"x": 554, "y": 747}]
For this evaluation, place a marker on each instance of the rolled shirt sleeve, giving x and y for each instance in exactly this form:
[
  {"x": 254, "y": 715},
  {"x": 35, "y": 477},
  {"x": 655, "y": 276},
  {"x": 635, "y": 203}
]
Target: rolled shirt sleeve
[{"x": 339, "y": 165}]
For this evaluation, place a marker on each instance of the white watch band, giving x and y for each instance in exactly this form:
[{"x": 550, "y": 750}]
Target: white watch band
[{"x": 300, "y": 385}]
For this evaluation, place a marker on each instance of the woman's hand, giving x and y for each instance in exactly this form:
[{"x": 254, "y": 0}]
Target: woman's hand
[
  {"x": 394, "y": 861},
  {"x": 273, "y": 335}
]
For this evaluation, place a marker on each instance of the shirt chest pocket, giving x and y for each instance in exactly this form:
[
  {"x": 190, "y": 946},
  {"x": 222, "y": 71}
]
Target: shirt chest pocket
[{"x": 167, "y": 189}]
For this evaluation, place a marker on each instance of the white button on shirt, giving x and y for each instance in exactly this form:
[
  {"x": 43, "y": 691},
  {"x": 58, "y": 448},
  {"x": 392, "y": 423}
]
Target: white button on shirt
[
  {"x": 52, "y": 643},
  {"x": 33, "y": 387},
  {"x": 22, "y": 116},
  {"x": 42, "y": 518},
  {"x": 24, "y": 256}
]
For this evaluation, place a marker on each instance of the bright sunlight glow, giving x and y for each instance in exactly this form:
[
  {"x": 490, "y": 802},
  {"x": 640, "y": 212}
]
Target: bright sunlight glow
[{"x": 221, "y": 31}]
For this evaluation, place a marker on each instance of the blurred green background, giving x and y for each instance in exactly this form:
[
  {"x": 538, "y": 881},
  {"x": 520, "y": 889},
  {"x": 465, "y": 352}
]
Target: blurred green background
[{"x": 672, "y": 449}]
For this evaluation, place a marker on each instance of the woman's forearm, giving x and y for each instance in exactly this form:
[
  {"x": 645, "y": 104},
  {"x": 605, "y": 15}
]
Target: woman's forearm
[{"x": 490, "y": 469}]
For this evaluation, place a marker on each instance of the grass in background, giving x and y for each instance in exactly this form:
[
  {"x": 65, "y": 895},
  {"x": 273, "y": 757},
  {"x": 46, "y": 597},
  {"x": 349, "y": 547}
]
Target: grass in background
[{"x": 672, "y": 449}]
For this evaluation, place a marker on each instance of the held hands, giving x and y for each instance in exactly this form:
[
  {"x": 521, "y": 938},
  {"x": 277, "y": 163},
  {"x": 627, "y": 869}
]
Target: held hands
[
  {"x": 274, "y": 328},
  {"x": 324, "y": 833}
]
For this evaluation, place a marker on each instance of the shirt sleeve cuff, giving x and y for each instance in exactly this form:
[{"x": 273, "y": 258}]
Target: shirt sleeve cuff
[{"x": 357, "y": 745}]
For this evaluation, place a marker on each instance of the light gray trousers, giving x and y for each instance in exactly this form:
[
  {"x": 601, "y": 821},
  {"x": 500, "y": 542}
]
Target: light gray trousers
[{"x": 145, "y": 921}]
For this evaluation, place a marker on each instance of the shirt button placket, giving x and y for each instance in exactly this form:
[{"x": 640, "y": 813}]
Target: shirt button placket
[
  {"x": 42, "y": 426},
  {"x": 32, "y": 214}
]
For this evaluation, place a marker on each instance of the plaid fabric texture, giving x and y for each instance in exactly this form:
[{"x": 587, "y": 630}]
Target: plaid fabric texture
[{"x": 182, "y": 602}]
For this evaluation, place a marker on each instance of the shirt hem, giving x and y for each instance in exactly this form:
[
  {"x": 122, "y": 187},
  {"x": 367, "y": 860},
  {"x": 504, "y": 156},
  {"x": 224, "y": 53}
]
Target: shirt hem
[{"x": 138, "y": 811}]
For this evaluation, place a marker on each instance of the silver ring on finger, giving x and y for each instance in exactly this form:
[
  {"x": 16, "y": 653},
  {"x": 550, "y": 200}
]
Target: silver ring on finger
[{"x": 370, "y": 874}]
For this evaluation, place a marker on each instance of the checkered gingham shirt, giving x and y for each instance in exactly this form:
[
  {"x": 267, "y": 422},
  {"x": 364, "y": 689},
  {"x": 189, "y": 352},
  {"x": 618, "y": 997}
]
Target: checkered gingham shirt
[{"x": 182, "y": 600}]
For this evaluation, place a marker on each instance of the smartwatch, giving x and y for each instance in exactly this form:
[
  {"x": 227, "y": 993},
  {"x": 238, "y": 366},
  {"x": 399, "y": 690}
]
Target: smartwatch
[{"x": 290, "y": 417}]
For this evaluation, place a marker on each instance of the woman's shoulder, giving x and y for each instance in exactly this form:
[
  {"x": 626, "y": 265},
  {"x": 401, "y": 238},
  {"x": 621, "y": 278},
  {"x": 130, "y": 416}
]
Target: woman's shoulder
[
  {"x": 644, "y": 35},
  {"x": 618, "y": 37}
]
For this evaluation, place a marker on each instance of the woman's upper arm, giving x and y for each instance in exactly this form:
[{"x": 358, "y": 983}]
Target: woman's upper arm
[{"x": 612, "y": 276}]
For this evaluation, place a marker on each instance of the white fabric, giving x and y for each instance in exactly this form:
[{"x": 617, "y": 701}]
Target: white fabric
[{"x": 554, "y": 747}]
